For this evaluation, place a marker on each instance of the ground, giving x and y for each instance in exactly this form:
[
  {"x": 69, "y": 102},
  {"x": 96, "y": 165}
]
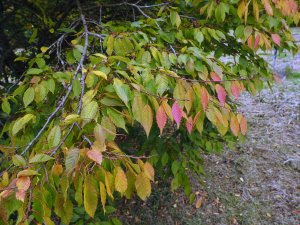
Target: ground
[{"x": 259, "y": 183}]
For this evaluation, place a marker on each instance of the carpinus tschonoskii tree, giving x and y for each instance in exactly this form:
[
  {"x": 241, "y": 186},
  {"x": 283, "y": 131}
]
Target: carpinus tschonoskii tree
[{"x": 117, "y": 93}]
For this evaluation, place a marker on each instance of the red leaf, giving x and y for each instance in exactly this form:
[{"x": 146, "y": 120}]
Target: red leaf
[
  {"x": 235, "y": 89},
  {"x": 177, "y": 113},
  {"x": 243, "y": 125},
  {"x": 276, "y": 38},
  {"x": 221, "y": 93},
  {"x": 234, "y": 125},
  {"x": 95, "y": 156},
  {"x": 204, "y": 98},
  {"x": 161, "y": 118},
  {"x": 189, "y": 124},
  {"x": 257, "y": 39},
  {"x": 215, "y": 76}
]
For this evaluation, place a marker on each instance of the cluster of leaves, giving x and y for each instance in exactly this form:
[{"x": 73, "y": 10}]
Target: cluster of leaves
[{"x": 148, "y": 92}]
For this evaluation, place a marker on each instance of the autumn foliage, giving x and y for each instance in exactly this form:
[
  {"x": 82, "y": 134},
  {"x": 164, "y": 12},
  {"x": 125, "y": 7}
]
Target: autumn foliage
[{"x": 137, "y": 95}]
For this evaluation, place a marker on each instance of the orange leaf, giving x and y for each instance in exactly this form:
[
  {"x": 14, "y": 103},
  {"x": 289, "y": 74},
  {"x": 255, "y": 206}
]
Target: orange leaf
[
  {"x": 161, "y": 118},
  {"x": 234, "y": 125},
  {"x": 250, "y": 42},
  {"x": 268, "y": 7},
  {"x": 221, "y": 94},
  {"x": 95, "y": 156},
  {"x": 204, "y": 95},
  {"x": 243, "y": 125},
  {"x": 215, "y": 76},
  {"x": 235, "y": 89},
  {"x": 20, "y": 195},
  {"x": 257, "y": 39},
  {"x": 23, "y": 183},
  {"x": 189, "y": 124}
]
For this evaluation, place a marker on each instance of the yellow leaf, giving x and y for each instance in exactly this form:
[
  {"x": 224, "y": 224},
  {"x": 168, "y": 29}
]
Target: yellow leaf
[
  {"x": 90, "y": 195},
  {"x": 198, "y": 203},
  {"x": 147, "y": 119},
  {"x": 109, "y": 184},
  {"x": 102, "y": 194},
  {"x": 99, "y": 74},
  {"x": 143, "y": 186},
  {"x": 149, "y": 171},
  {"x": 167, "y": 109},
  {"x": 120, "y": 180},
  {"x": 44, "y": 49}
]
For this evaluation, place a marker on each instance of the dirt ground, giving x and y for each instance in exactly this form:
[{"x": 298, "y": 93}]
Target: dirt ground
[{"x": 258, "y": 183}]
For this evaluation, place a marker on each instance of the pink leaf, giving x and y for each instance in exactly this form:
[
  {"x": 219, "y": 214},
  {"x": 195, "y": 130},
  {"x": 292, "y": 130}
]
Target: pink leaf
[
  {"x": 276, "y": 38},
  {"x": 215, "y": 76},
  {"x": 204, "y": 98},
  {"x": 189, "y": 124},
  {"x": 221, "y": 93},
  {"x": 161, "y": 118},
  {"x": 235, "y": 89},
  {"x": 95, "y": 156},
  {"x": 177, "y": 113}
]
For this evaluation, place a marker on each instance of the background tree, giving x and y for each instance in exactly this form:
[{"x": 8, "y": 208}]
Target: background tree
[{"x": 99, "y": 94}]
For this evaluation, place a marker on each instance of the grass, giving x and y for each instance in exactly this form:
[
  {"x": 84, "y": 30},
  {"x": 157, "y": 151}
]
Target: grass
[{"x": 290, "y": 74}]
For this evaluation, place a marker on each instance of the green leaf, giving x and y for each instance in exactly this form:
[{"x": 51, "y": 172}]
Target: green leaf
[
  {"x": 89, "y": 112},
  {"x": 20, "y": 123},
  {"x": 110, "y": 45},
  {"x": 116, "y": 118},
  {"x": 90, "y": 195},
  {"x": 175, "y": 18},
  {"x": 39, "y": 158},
  {"x": 27, "y": 172},
  {"x": 18, "y": 160},
  {"x": 6, "y": 106},
  {"x": 54, "y": 136},
  {"x": 70, "y": 119},
  {"x": 51, "y": 85},
  {"x": 198, "y": 35},
  {"x": 137, "y": 106},
  {"x": 78, "y": 194},
  {"x": 40, "y": 62},
  {"x": 76, "y": 87},
  {"x": 72, "y": 159},
  {"x": 34, "y": 71},
  {"x": 122, "y": 90},
  {"x": 28, "y": 96},
  {"x": 64, "y": 209},
  {"x": 40, "y": 93}
]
